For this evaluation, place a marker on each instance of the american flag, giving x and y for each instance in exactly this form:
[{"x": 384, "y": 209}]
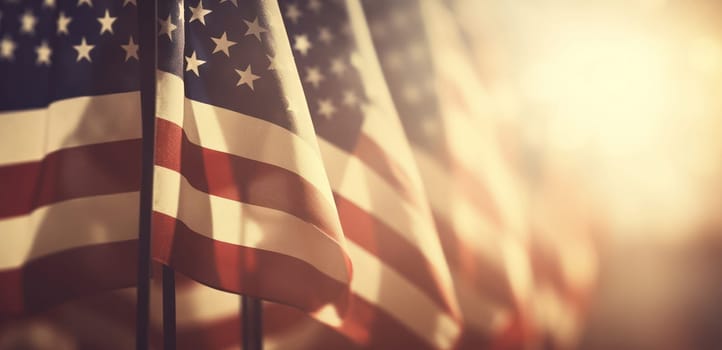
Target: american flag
[
  {"x": 241, "y": 199},
  {"x": 402, "y": 294},
  {"x": 475, "y": 199},
  {"x": 70, "y": 155},
  {"x": 401, "y": 273}
]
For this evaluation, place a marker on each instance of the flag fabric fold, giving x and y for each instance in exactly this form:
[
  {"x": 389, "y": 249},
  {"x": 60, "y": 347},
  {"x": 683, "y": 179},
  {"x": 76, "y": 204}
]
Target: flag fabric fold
[
  {"x": 241, "y": 199},
  {"x": 477, "y": 203}
]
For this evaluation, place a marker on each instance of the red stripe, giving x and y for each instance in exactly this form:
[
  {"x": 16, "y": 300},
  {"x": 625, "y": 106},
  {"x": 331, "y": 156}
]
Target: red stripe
[
  {"x": 396, "y": 252},
  {"x": 547, "y": 269},
  {"x": 243, "y": 180},
  {"x": 545, "y": 265},
  {"x": 472, "y": 339},
  {"x": 83, "y": 171},
  {"x": 487, "y": 279},
  {"x": 238, "y": 269},
  {"x": 52, "y": 279},
  {"x": 514, "y": 337}
]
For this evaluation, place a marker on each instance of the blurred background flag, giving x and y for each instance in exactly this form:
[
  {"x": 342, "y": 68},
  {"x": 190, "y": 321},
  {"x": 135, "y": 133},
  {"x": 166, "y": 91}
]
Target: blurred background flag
[
  {"x": 478, "y": 220},
  {"x": 241, "y": 200},
  {"x": 70, "y": 154},
  {"x": 478, "y": 190},
  {"x": 402, "y": 293}
]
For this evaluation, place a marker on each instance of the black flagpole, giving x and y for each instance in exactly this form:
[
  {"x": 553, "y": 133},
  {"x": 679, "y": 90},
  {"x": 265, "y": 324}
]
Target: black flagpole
[
  {"x": 147, "y": 14},
  {"x": 251, "y": 323}
]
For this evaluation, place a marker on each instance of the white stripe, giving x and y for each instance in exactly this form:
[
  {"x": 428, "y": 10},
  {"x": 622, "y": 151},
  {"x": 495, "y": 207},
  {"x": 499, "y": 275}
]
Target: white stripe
[
  {"x": 231, "y": 132},
  {"x": 380, "y": 285},
  {"x": 69, "y": 224},
  {"x": 381, "y": 122},
  {"x": 380, "y": 127},
  {"x": 353, "y": 180},
  {"x": 469, "y": 126},
  {"x": 31, "y": 134},
  {"x": 451, "y": 203},
  {"x": 246, "y": 225}
]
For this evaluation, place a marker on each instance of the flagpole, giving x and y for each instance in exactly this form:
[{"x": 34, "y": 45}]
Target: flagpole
[
  {"x": 147, "y": 14},
  {"x": 252, "y": 323}
]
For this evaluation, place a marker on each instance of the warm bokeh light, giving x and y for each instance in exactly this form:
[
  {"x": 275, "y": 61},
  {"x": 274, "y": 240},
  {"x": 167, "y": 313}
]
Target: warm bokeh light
[
  {"x": 631, "y": 103},
  {"x": 617, "y": 106}
]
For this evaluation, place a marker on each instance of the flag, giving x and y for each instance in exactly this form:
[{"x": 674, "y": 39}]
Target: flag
[
  {"x": 402, "y": 294},
  {"x": 401, "y": 280},
  {"x": 70, "y": 155},
  {"x": 241, "y": 198},
  {"x": 476, "y": 201},
  {"x": 560, "y": 247}
]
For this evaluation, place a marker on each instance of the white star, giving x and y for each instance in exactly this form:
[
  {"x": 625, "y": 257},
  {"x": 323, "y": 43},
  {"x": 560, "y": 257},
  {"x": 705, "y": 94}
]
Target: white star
[
  {"x": 223, "y": 44},
  {"x": 271, "y": 62},
  {"x": 411, "y": 93},
  {"x": 43, "y": 51},
  {"x": 338, "y": 67},
  {"x": 7, "y": 48},
  {"x": 167, "y": 27},
  {"x": 302, "y": 44},
  {"x": 315, "y": 6},
  {"x": 314, "y": 76},
  {"x": 198, "y": 13},
  {"x": 192, "y": 64},
  {"x": 326, "y": 108},
  {"x": 63, "y": 22},
  {"x": 87, "y": 2},
  {"x": 126, "y": 2},
  {"x": 293, "y": 13},
  {"x": 131, "y": 49},
  {"x": 106, "y": 23},
  {"x": 49, "y": 3},
  {"x": 83, "y": 50},
  {"x": 246, "y": 77},
  {"x": 234, "y": 2},
  {"x": 349, "y": 98},
  {"x": 254, "y": 28},
  {"x": 325, "y": 35},
  {"x": 416, "y": 52},
  {"x": 27, "y": 22}
]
